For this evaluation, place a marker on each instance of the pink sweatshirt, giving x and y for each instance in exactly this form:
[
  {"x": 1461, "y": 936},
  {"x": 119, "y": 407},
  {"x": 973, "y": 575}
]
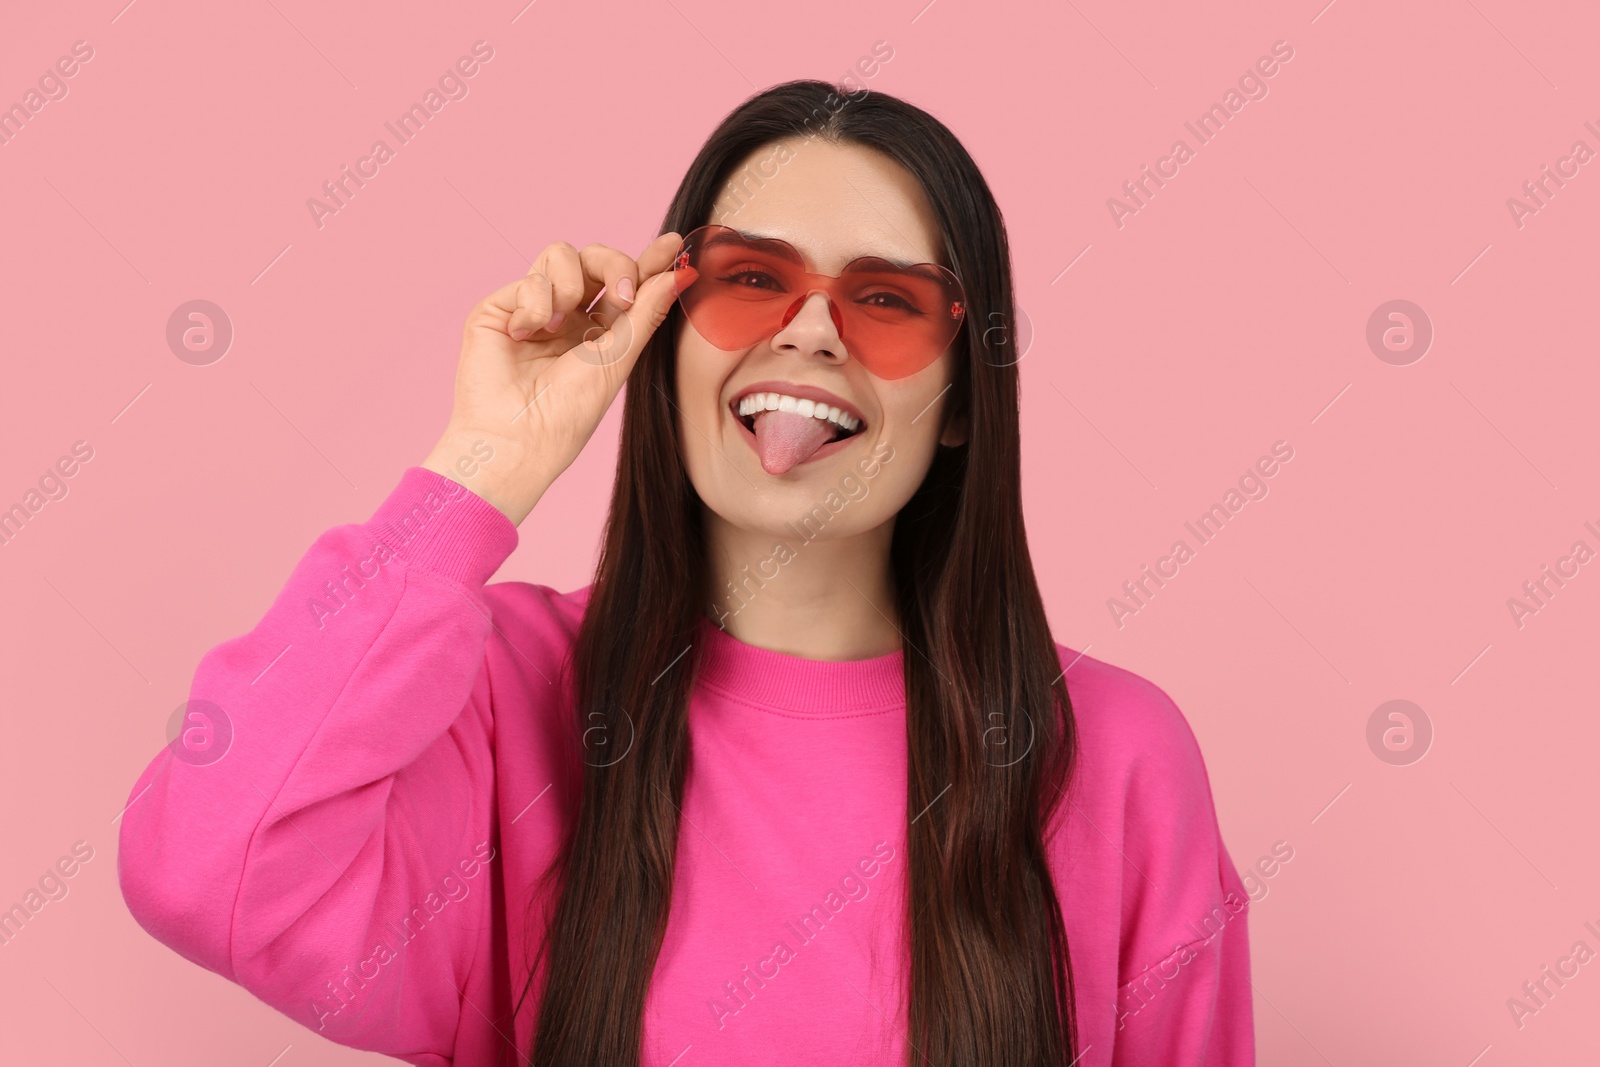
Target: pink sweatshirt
[{"x": 357, "y": 844}]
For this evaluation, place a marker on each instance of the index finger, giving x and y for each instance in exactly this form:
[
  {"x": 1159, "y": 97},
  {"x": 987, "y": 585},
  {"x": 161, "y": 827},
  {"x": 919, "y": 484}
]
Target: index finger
[
  {"x": 659, "y": 254},
  {"x": 607, "y": 267}
]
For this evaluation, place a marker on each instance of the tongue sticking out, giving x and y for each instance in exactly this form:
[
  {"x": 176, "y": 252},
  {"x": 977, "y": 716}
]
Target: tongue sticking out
[{"x": 785, "y": 439}]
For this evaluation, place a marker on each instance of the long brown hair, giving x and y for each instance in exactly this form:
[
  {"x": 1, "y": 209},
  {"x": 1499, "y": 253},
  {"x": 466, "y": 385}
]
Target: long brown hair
[{"x": 990, "y": 975}]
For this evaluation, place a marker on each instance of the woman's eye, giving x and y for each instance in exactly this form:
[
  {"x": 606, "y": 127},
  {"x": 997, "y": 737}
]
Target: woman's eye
[
  {"x": 758, "y": 280},
  {"x": 891, "y": 300}
]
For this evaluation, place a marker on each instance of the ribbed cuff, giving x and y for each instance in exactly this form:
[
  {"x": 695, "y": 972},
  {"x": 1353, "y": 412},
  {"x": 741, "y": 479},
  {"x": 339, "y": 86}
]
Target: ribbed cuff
[{"x": 438, "y": 525}]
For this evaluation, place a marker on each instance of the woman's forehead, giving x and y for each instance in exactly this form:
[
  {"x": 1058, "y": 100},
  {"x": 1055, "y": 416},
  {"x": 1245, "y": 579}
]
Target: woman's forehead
[{"x": 832, "y": 202}]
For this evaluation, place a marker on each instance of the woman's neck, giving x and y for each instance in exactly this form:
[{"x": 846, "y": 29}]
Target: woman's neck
[{"x": 825, "y": 599}]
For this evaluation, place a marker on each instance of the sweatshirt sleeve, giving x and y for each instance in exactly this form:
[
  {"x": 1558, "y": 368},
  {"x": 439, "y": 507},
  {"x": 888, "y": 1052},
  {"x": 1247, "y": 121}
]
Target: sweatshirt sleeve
[
  {"x": 322, "y": 830},
  {"x": 1185, "y": 998}
]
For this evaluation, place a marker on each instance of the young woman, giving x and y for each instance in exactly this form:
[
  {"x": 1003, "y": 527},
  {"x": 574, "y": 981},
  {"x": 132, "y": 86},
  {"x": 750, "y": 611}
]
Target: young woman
[{"x": 797, "y": 778}]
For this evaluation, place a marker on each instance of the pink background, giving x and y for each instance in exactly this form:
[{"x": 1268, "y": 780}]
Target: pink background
[{"x": 1228, "y": 313}]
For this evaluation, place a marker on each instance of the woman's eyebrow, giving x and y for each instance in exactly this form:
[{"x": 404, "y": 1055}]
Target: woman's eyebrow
[
  {"x": 775, "y": 245},
  {"x": 779, "y": 246}
]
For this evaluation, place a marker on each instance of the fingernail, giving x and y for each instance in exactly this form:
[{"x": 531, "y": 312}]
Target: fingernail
[
  {"x": 625, "y": 290},
  {"x": 520, "y": 333},
  {"x": 555, "y": 322}
]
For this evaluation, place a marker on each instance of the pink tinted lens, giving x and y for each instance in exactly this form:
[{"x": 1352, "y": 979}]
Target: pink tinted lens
[{"x": 895, "y": 320}]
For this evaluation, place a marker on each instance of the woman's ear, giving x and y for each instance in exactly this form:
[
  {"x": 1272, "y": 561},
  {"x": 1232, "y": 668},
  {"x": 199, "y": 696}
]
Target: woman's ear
[{"x": 955, "y": 431}]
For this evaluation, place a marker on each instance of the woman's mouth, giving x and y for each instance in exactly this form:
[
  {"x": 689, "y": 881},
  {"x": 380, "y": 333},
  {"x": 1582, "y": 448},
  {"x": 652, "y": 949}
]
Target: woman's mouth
[{"x": 786, "y": 430}]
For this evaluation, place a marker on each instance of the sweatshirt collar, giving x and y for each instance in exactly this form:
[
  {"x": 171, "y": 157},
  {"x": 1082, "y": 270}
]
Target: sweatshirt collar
[{"x": 783, "y": 682}]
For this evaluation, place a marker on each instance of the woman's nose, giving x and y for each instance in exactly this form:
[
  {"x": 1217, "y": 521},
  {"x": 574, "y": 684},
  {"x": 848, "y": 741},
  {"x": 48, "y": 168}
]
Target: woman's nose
[{"x": 812, "y": 322}]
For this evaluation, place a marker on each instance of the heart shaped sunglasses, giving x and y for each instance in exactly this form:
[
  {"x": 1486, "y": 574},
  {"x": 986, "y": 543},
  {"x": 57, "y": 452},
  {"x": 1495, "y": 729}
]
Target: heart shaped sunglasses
[{"x": 894, "y": 318}]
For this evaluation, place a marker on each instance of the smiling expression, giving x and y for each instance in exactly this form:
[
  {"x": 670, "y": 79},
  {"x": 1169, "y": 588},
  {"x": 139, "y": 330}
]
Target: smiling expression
[{"x": 834, "y": 203}]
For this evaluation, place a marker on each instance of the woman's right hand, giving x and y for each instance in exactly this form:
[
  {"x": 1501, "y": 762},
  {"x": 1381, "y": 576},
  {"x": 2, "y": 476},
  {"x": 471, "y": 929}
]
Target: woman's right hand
[{"x": 536, "y": 373}]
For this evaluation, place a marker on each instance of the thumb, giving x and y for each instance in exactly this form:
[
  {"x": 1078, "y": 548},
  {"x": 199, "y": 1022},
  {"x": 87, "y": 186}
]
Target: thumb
[
  {"x": 654, "y": 302},
  {"x": 621, "y": 344}
]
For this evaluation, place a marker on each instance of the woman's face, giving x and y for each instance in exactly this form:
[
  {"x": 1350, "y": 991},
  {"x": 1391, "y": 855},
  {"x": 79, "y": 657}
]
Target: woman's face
[{"x": 834, "y": 203}]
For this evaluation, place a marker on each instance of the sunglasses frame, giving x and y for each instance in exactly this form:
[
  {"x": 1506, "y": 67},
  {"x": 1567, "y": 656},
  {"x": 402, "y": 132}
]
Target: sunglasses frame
[{"x": 830, "y": 286}]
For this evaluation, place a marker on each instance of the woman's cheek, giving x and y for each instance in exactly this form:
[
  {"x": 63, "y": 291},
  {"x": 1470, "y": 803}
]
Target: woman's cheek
[{"x": 887, "y": 481}]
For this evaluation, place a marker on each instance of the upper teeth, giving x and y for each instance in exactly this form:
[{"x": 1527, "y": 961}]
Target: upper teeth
[{"x": 754, "y": 402}]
